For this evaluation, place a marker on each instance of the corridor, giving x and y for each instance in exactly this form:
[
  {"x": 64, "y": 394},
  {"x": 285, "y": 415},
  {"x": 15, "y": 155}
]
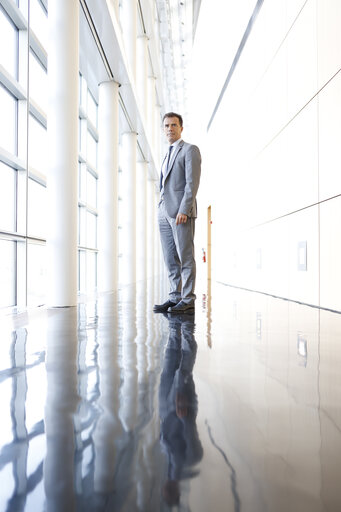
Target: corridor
[{"x": 110, "y": 407}]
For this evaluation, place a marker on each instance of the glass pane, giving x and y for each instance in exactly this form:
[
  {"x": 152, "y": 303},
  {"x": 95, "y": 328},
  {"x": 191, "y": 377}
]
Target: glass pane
[
  {"x": 91, "y": 230},
  {"x": 91, "y": 198},
  {"x": 7, "y": 197},
  {"x": 7, "y": 273},
  {"x": 36, "y": 209},
  {"x": 23, "y": 6},
  {"x": 37, "y": 142},
  {"x": 8, "y": 45},
  {"x": 82, "y": 182},
  {"x": 38, "y": 82},
  {"x": 82, "y": 226},
  {"x": 38, "y": 21},
  {"x": 8, "y": 111},
  {"x": 91, "y": 150},
  {"x": 92, "y": 109},
  {"x": 83, "y": 91},
  {"x": 81, "y": 271},
  {"x": 36, "y": 274}
]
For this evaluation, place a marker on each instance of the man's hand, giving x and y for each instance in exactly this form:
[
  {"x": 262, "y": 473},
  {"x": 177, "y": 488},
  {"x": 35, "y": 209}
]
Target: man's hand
[{"x": 181, "y": 218}]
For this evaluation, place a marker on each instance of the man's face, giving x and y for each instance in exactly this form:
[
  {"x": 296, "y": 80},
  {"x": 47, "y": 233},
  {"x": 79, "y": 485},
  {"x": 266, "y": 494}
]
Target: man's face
[{"x": 172, "y": 129}]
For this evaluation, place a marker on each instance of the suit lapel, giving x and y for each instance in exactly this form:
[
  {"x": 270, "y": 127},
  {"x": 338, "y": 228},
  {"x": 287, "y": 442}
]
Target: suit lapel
[{"x": 177, "y": 149}]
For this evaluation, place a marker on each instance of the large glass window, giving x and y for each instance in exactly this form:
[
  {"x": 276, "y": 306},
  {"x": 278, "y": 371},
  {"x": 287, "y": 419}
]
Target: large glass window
[
  {"x": 91, "y": 190},
  {"x": 36, "y": 205},
  {"x": 37, "y": 142},
  {"x": 7, "y": 273},
  {"x": 92, "y": 109},
  {"x": 91, "y": 150},
  {"x": 82, "y": 226},
  {"x": 8, "y": 109},
  {"x": 36, "y": 274},
  {"x": 7, "y": 198},
  {"x": 82, "y": 182},
  {"x": 38, "y": 82},
  {"x": 91, "y": 230},
  {"x": 8, "y": 45},
  {"x": 38, "y": 21},
  {"x": 87, "y": 261}
]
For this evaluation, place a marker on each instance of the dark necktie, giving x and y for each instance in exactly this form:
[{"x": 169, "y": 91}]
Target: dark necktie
[{"x": 168, "y": 159}]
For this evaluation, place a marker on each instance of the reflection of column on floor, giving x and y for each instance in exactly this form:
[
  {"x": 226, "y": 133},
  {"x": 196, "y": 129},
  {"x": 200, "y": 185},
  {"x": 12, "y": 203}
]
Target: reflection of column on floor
[
  {"x": 150, "y": 327},
  {"x": 18, "y": 413},
  {"x": 61, "y": 404},
  {"x": 128, "y": 392},
  {"x": 88, "y": 390},
  {"x": 147, "y": 346},
  {"x": 141, "y": 349},
  {"x": 144, "y": 402},
  {"x": 108, "y": 428}
]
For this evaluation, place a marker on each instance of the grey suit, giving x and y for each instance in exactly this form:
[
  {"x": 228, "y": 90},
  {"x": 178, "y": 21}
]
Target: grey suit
[{"x": 181, "y": 183}]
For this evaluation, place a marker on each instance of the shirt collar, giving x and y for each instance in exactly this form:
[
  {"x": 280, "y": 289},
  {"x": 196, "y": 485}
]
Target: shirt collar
[{"x": 176, "y": 143}]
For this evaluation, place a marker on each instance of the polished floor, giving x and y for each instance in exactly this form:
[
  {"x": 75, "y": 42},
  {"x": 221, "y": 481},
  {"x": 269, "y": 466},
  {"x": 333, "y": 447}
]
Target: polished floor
[{"x": 110, "y": 407}]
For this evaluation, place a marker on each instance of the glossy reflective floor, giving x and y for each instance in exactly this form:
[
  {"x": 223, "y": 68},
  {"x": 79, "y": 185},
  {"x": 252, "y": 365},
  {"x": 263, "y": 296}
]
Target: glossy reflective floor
[{"x": 109, "y": 407}]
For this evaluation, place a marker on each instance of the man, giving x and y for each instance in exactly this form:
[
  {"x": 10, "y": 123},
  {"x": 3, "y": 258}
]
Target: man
[{"x": 180, "y": 176}]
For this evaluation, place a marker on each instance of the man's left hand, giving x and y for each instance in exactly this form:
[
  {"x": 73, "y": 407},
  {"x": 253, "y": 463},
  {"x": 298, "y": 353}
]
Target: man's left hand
[{"x": 181, "y": 218}]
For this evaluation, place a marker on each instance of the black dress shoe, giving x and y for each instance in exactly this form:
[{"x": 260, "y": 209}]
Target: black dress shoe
[
  {"x": 181, "y": 307},
  {"x": 162, "y": 308}
]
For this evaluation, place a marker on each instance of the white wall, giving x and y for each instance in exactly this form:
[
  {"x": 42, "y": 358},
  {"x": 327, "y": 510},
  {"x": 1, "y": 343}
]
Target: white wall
[{"x": 271, "y": 158}]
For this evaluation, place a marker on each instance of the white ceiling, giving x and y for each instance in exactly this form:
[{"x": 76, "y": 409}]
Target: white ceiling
[{"x": 177, "y": 23}]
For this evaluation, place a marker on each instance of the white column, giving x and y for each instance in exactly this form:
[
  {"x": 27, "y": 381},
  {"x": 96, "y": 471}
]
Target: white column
[
  {"x": 116, "y": 4},
  {"x": 141, "y": 221},
  {"x": 129, "y": 29},
  {"x": 151, "y": 214},
  {"x": 107, "y": 185},
  {"x": 151, "y": 109},
  {"x": 142, "y": 73},
  {"x": 158, "y": 130},
  {"x": 62, "y": 135},
  {"x": 128, "y": 209},
  {"x": 157, "y": 255}
]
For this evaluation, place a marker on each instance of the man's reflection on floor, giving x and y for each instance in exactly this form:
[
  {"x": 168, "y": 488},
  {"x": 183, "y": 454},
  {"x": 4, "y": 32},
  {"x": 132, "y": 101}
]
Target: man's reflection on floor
[{"x": 179, "y": 406}]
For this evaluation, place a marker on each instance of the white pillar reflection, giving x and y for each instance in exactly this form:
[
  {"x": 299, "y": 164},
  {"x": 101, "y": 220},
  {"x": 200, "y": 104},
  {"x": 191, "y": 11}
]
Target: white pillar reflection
[
  {"x": 128, "y": 391},
  {"x": 108, "y": 428},
  {"x": 61, "y": 404},
  {"x": 18, "y": 411}
]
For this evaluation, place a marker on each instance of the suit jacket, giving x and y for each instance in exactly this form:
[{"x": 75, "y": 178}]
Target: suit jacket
[{"x": 181, "y": 182}]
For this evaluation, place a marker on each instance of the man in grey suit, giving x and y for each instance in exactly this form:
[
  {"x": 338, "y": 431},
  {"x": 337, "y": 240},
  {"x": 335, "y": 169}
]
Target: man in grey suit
[{"x": 179, "y": 183}]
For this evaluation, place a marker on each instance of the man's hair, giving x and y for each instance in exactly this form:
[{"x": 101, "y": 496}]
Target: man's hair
[{"x": 173, "y": 114}]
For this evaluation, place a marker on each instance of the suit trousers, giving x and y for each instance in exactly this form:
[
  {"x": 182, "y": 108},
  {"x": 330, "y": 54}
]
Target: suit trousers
[{"x": 177, "y": 243}]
